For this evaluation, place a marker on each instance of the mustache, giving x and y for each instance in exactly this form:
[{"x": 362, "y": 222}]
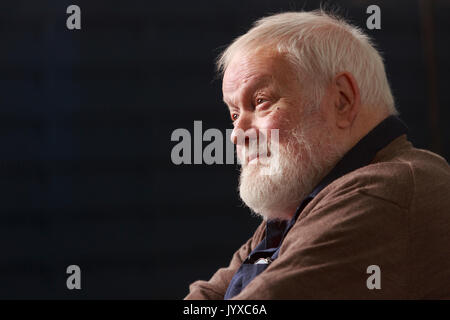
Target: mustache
[
  {"x": 259, "y": 154},
  {"x": 253, "y": 143}
]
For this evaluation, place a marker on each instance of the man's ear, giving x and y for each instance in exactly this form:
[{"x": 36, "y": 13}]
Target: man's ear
[{"x": 347, "y": 101}]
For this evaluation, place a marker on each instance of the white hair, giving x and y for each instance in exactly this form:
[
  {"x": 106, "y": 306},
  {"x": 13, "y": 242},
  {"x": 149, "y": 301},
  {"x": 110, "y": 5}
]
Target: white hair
[{"x": 319, "y": 45}]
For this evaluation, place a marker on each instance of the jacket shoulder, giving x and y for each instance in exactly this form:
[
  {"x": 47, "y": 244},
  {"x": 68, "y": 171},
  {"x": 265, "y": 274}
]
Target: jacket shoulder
[{"x": 398, "y": 177}]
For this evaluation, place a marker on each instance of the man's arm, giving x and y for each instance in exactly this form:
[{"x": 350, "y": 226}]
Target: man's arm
[
  {"x": 327, "y": 252},
  {"x": 215, "y": 288}
]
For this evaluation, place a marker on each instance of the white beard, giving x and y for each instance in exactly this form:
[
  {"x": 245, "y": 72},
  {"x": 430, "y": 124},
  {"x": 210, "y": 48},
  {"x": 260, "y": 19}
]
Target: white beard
[{"x": 275, "y": 188}]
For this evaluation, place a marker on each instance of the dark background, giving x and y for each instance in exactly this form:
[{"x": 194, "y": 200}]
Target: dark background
[{"x": 86, "y": 118}]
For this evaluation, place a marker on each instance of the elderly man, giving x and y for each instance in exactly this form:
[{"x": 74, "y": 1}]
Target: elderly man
[{"x": 351, "y": 210}]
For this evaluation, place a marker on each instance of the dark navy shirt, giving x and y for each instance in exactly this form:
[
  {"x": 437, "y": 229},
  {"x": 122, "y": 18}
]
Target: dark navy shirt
[{"x": 359, "y": 156}]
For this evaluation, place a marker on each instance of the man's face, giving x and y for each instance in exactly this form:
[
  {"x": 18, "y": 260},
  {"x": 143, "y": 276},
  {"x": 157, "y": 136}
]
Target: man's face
[{"x": 262, "y": 91}]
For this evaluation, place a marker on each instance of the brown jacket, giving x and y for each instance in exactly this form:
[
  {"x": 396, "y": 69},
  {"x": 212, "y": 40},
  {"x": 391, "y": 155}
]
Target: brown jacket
[{"x": 393, "y": 213}]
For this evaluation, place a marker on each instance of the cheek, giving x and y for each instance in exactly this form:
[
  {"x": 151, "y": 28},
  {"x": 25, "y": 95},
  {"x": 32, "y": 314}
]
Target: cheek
[
  {"x": 281, "y": 120},
  {"x": 274, "y": 120}
]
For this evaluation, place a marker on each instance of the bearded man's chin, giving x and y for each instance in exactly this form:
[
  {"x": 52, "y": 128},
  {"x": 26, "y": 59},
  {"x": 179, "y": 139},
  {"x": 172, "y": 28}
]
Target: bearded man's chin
[
  {"x": 274, "y": 191},
  {"x": 261, "y": 189}
]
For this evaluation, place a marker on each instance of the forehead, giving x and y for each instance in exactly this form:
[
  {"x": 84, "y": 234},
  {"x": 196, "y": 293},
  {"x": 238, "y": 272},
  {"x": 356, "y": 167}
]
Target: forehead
[{"x": 257, "y": 69}]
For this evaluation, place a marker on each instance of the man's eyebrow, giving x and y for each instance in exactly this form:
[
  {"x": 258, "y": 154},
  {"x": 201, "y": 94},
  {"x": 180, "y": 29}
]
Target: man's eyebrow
[
  {"x": 252, "y": 86},
  {"x": 257, "y": 85}
]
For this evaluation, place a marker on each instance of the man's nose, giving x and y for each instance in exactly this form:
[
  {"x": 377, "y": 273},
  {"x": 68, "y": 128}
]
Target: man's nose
[{"x": 243, "y": 130}]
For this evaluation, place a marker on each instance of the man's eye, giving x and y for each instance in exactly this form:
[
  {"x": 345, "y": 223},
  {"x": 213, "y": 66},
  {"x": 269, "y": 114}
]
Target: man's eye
[
  {"x": 260, "y": 100},
  {"x": 234, "y": 116}
]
